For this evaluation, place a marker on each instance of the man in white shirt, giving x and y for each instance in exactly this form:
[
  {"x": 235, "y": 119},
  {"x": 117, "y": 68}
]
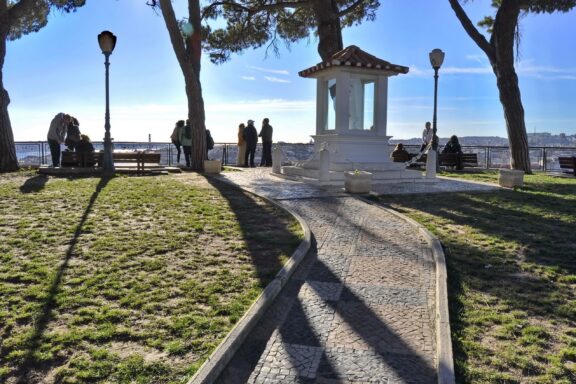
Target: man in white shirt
[{"x": 427, "y": 135}]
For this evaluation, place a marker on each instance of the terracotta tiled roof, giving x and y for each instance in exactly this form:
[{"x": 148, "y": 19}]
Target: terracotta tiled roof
[{"x": 353, "y": 56}]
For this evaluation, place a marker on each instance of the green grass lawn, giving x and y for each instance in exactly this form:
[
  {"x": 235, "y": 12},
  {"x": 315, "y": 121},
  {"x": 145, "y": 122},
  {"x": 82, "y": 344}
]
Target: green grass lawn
[
  {"x": 511, "y": 258},
  {"x": 133, "y": 280}
]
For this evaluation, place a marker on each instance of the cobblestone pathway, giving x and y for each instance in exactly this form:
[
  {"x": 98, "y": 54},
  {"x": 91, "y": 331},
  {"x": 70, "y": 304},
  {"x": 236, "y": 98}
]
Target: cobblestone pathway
[{"x": 359, "y": 309}]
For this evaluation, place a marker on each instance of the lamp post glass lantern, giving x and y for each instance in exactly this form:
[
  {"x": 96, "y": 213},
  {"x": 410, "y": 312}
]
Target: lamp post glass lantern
[
  {"x": 107, "y": 42},
  {"x": 436, "y": 60}
]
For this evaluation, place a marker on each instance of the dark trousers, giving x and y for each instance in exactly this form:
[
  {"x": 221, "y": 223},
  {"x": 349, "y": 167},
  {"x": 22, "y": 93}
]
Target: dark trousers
[
  {"x": 267, "y": 153},
  {"x": 178, "y": 151},
  {"x": 187, "y": 154},
  {"x": 250, "y": 152},
  {"x": 55, "y": 152}
]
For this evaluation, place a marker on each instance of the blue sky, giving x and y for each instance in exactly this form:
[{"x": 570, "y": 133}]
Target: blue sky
[{"x": 60, "y": 69}]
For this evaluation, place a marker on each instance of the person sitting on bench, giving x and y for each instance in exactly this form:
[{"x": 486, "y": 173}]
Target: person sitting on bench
[
  {"x": 400, "y": 154},
  {"x": 453, "y": 146},
  {"x": 84, "y": 148}
]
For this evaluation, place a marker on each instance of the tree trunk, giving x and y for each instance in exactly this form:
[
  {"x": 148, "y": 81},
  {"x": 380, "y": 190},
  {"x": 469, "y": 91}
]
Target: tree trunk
[
  {"x": 8, "y": 160},
  {"x": 197, "y": 121},
  {"x": 500, "y": 52},
  {"x": 514, "y": 114},
  {"x": 188, "y": 53},
  {"x": 503, "y": 38},
  {"x": 329, "y": 28}
]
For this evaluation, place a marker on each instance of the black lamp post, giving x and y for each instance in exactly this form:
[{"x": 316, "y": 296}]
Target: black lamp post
[
  {"x": 107, "y": 42},
  {"x": 436, "y": 59}
]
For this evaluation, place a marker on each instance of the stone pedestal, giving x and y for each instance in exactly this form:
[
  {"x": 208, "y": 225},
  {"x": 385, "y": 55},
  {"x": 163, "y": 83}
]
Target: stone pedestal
[
  {"x": 277, "y": 159},
  {"x": 510, "y": 178},
  {"x": 357, "y": 181},
  {"x": 431, "y": 159},
  {"x": 212, "y": 166}
]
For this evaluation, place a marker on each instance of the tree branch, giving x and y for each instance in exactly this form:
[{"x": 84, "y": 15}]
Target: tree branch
[
  {"x": 351, "y": 8},
  {"x": 173, "y": 30},
  {"x": 264, "y": 7},
  {"x": 469, "y": 27},
  {"x": 18, "y": 11}
]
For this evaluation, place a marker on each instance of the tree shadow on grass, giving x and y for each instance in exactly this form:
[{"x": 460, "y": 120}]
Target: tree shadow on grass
[
  {"x": 268, "y": 237},
  {"x": 510, "y": 216},
  {"x": 45, "y": 315},
  {"x": 496, "y": 273}
]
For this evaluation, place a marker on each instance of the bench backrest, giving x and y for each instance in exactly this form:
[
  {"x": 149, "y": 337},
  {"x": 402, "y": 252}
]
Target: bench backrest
[
  {"x": 147, "y": 157},
  {"x": 566, "y": 162},
  {"x": 85, "y": 159},
  {"x": 402, "y": 157}
]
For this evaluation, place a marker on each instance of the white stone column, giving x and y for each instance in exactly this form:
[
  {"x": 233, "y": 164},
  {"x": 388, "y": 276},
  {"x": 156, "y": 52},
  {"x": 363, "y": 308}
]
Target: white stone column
[
  {"x": 321, "y": 105},
  {"x": 431, "y": 164},
  {"x": 342, "y": 102},
  {"x": 381, "y": 112}
]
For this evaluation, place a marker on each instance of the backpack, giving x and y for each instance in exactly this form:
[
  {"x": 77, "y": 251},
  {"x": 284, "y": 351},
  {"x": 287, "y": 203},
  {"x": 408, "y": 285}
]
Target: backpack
[
  {"x": 187, "y": 131},
  {"x": 209, "y": 140}
]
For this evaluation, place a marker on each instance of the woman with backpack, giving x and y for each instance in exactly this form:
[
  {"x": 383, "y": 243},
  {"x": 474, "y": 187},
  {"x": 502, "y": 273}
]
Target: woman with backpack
[
  {"x": 175, "y": 137},
  {"x": 186, "y": 141}
]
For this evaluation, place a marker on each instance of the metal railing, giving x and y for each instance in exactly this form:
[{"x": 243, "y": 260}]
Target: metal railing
[{"x": 36, "y": 153}]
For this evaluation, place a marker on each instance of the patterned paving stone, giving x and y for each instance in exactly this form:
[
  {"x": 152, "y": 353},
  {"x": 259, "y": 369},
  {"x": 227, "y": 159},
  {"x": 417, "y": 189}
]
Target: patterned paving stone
[
  {"x": 387, "y": 271},
  {"x": 321, "y": 290},
  {"x": 372, "y": 294},
  {"x": 308, "y": 322},
  {"x": 347, "y": 365},
  {"x": 382, "y": 329},
  {"x": 331, "y": 269},
  {"x": 285, "y": 361}
]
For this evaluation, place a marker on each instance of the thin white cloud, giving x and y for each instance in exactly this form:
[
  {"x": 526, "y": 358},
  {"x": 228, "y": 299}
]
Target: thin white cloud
[
  {"x": 267, "y": 70},
  {"x": 278, "y": 105},
  {"x": 480, "y": 59},
  {"x": 273, "y": 79},
  {"x": 249, "y": 78},
  {"x": 523, "y": 68},
  {"x": 467, "y": 70},
  {"x": 418, "y": 72},
  {"x": 526, "y": 68}
]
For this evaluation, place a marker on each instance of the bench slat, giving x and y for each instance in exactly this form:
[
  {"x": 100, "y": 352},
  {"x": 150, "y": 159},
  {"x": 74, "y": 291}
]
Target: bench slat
[{"x": 568, "y": 163}]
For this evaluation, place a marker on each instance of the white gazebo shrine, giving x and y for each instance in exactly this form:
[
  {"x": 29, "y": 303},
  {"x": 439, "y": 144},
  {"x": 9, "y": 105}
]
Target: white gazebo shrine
[{"x": 351, "y": 114}]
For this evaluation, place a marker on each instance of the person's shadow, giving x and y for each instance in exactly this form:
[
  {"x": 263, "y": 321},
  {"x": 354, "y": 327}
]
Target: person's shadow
[{"x": 34, "y": 184}]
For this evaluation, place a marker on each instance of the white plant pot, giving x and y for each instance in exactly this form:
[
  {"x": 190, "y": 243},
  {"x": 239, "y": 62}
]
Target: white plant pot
[
  {"x": 510, "y": 178},
  {"x": 357, "y": 182},
  {"x": 212, "y": 166}
]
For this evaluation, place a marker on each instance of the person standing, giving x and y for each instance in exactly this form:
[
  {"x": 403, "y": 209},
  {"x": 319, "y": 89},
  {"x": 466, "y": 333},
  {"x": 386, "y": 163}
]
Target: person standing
[
  {"x": 266, "y": 135},
  {"x": 251, "y": 138},
  {"x": 427, "y": 135},
  {"x": 57, "y": 135},
  {"x": 186, "y": 141},
  {"x": 240, "y": 161},
  {"x": 175, "y": 137}
]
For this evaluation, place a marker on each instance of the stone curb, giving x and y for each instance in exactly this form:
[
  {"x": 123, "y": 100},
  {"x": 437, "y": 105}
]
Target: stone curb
[
  {"x": 215, "y": 364},
  {"x": 445, "y": 360}
]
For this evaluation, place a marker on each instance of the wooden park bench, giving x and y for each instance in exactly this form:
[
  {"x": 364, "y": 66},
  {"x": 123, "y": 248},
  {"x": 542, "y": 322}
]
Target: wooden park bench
[
  {"x": 568, "y": 163},
  {"x": 138, "y": 157},
  {"x": 452, "y": 159},
  {"x": 93, "y": 159},
  {"x": 402, "y": 157},
  {"x": 87, "y": 159}
]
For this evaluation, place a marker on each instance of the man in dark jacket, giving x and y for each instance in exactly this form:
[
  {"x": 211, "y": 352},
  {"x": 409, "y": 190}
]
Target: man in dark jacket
[
  {"x": 251, "y": 138},
  {"x": 266, "y": 135}
]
